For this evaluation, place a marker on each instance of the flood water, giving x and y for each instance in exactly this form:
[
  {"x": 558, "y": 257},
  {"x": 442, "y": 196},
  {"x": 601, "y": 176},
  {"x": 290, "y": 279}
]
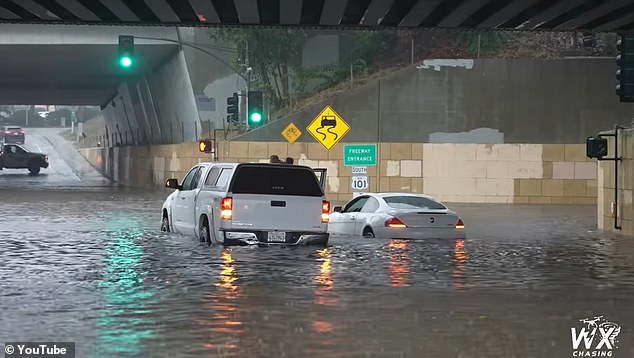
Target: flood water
[{"x": 89, "y": 265}]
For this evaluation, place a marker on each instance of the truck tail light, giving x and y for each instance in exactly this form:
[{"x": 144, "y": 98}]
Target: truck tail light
[
  {"x": 325, "y": 211},
  {"x": 226, "y": 208}
]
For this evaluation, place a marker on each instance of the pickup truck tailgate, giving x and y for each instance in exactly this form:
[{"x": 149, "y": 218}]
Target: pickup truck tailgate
[{"x": 273, "y": 212}]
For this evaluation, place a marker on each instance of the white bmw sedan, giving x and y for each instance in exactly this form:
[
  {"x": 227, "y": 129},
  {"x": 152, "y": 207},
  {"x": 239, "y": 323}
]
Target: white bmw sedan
[{"x": 396, "y": 215}]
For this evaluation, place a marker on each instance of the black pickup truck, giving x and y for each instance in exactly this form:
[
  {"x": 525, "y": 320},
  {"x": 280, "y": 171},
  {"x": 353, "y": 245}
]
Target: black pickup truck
[{"x": 13, "y": 156}]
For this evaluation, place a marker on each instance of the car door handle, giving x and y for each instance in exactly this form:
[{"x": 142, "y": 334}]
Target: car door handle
[{"x": 183, "y": 198}]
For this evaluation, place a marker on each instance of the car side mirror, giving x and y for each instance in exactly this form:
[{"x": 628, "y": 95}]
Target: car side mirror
[
  {"x": 172, "y": 183},
  {"x": 338, "y": 209}
]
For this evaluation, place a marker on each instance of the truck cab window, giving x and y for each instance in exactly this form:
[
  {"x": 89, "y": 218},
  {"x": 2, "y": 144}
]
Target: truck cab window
[
  {"x": 189, "y": 179},
  {"x": 212, "y": 177},
  {"x": 223, "y": 179}
]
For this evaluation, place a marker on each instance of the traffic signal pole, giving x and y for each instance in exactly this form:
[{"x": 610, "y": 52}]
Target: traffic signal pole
[
  {"x": 195, "y": 47},
  {"x": 248, "y": 69}
]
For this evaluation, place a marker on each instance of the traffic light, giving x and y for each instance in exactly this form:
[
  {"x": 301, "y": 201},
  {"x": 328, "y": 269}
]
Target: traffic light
[
  {"x": 596, "y": 147},
  {"x": 255, "y": 112},
  {"x": 204, "y": 145},
  {"x": 126, "y": 50},
  {"x": 625, "y": 71},
  {"x": 232, "y": 108}
]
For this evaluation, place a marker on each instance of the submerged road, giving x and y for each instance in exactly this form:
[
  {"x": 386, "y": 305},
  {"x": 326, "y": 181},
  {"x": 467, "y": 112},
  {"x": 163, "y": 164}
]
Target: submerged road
[
  {"x": 67, "y": 168},
  {"x": 82, "y": 260}
]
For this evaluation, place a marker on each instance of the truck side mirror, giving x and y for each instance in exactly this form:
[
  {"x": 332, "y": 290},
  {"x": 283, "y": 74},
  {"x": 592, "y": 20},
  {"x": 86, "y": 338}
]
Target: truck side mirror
[
  {"x": 596, "y": 147},
  {"x": 172, "y": 183},
  {"x": 338, "y": 209}
]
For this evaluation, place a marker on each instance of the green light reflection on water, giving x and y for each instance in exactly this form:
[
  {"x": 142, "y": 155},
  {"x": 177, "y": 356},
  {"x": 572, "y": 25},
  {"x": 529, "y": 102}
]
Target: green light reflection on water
[{"x": 123, "y": 322}]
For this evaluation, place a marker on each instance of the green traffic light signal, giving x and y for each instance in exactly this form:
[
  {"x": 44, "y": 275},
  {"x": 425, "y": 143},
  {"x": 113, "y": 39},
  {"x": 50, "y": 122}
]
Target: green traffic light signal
[
  {"x": 256, "y": 117},
  {"x": 255, "y": 108},
  {"x": 125, "y": 61}
]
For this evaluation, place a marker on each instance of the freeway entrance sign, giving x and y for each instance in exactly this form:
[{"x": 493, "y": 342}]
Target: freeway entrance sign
[{"x": 359, "y": 155}]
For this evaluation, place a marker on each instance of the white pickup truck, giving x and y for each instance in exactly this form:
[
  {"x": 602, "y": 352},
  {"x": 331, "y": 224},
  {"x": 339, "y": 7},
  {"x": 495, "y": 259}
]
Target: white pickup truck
[{"x": 249, "y": 203}]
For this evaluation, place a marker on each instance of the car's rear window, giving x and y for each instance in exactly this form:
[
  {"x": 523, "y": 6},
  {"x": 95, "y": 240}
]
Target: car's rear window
[
  {"x": 412, "y": 202},
  {"x": 275, "y": 180}
]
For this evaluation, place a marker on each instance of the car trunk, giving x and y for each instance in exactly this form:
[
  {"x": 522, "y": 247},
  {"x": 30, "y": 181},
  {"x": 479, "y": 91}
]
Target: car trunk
[{"x": 426, "y": 218}]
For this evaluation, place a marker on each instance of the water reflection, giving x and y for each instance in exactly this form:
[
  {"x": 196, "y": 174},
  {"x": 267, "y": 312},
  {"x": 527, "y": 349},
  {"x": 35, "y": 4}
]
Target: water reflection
[
  {"x": 323, "y": 280},
  {"x": 399, "y": 262},
  {"x": 124, "y": 321},
  {"x": 459, "y": 261},
  {"x": 227, "y": 272},
  {"x": 225, "y": 323},
  {"x": 325, "y": 301},
  {"x": 323, "y": 291}
]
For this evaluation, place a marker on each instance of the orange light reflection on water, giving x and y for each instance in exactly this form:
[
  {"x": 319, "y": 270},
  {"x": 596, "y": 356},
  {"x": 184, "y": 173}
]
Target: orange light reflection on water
[
  {"x": 323, "y": 293},
  {"x": 227, "y": 272},
  {"x": 225, "y": 323},
  {"x": 459, "y": 262},
  {"x": 323, "y": 280},
  {"x": 399, "y": 263}
]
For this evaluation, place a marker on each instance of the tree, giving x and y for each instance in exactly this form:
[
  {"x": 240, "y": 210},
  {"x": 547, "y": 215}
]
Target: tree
[{"x": 270, "y": 51}]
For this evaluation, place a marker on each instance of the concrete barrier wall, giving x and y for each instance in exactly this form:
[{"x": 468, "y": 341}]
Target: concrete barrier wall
[
  {"x": 606, "y": 184},
  {"x": 476, "y": 173},
  {"x": 475, "y": 101}
]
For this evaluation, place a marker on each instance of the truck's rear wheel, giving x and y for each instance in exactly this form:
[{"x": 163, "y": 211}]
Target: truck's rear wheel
[{"x": 204, "y": 232}]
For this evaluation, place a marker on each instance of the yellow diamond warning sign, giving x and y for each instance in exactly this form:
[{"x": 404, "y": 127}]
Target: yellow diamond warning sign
[
  {"x": 291, "y": 133},
  {"x": 328, "y": 127}
]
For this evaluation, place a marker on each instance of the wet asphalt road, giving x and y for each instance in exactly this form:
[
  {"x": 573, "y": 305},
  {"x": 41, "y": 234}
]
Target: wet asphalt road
[{"x": 83, "y": 260}]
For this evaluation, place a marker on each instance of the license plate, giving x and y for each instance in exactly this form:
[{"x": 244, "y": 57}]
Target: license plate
[{"x": 277, "y": 236}]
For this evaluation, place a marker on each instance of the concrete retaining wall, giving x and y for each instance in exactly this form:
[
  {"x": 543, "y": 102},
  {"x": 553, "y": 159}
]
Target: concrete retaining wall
[
  {"x": 477, "y": 173},
  {"x": 475, "y": 101}
]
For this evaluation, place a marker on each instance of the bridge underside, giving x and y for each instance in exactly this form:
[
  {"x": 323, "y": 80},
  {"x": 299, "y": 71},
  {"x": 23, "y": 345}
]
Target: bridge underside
[
  {"x": 69, "y": 74},
  {"x": 590, "y": 15}
]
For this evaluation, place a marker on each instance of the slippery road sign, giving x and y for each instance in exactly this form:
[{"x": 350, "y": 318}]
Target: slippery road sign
[{"x": 328, "y": 127}]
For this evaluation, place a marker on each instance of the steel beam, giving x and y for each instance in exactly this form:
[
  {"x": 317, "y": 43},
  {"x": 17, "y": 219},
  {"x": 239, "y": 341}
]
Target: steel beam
[
  {"x": 376, "y": 12},
  {"x": 550, "y": 13},
  {"x": 247, "y": 11},
  {"x": 593, "y": 14},
  {"x": 205, "y": 11},
  {"x": 290, "y": 12},
  {"x": 420, "y": 11},
  {"x": 333, "y": 12},
  {"x": 506, "y": 13},
  {"x": 462, "y": 13}
]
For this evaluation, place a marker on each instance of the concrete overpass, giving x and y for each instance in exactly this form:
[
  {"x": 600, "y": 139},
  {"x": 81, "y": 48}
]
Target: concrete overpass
[
  {"x": 73, "y": 65},
  {"x": 591, "y": 15}
]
